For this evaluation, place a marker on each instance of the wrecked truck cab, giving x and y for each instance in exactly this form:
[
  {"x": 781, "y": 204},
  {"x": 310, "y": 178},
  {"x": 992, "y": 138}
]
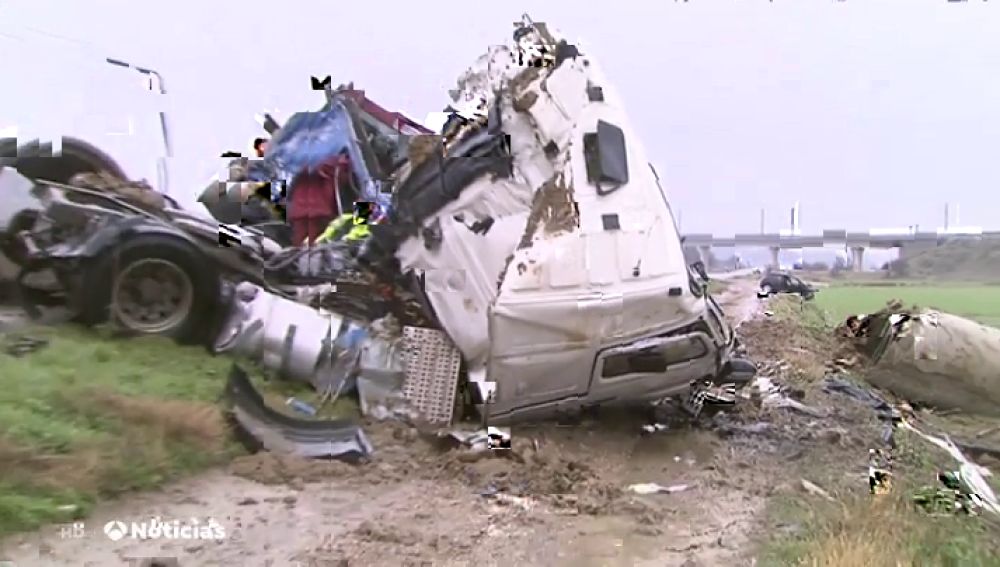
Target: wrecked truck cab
[
  {"x": 105, "y": 257},
  {"x": 547, "y": 247},
  {"x": 546, "y": 263}
]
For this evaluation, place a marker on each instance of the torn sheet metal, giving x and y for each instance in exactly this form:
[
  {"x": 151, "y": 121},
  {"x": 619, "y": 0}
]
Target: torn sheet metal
[
  {"x": 380, "y": 379},
  {"x": 972, "y": 476},
  {"x": 490, "y": 438},
  {"x": 773, "y": 395},
  {"x": 281, "y": 433},
  {"x": 931, "y": 357},
  {"x": 462, "y": 296}
]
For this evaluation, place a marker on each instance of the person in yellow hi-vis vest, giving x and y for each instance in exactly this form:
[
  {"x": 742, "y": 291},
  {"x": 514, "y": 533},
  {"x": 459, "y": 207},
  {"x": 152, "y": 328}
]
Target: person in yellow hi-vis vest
[{"x": 349, "y": 227}]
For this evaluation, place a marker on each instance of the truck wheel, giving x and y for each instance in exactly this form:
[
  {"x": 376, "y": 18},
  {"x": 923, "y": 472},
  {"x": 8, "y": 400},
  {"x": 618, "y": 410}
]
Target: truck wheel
[{"x": 153, "y": 285}]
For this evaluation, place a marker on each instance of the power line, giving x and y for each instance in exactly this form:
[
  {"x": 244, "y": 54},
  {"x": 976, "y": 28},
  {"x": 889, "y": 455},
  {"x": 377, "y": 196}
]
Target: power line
[
  {"x": 8, "y": 36},
  {"x": 53, "y": 35}
]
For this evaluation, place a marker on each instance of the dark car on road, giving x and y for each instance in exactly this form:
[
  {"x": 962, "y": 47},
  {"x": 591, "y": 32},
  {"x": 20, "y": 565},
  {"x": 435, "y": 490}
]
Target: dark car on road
[{"x": 779, "y": 282}]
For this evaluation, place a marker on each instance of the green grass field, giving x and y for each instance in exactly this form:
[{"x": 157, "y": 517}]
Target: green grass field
[
  {"x": 978, "y": 302},
  {"x": 91, "y": 416}
]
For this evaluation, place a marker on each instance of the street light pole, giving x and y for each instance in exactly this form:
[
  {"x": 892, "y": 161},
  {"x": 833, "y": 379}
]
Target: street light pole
[{"x": 155, "y": 79}]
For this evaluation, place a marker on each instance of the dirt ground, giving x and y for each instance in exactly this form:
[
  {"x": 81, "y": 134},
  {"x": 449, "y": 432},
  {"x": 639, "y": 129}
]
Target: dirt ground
[{"x": 557, "y": 498}]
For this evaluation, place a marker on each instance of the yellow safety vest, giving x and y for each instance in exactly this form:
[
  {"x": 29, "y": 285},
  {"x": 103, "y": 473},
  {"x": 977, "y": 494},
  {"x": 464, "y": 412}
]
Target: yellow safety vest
[{"x": 358, "y": 231}]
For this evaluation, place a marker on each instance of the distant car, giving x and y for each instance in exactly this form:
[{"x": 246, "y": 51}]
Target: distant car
[{"x": 779, "y": 282}]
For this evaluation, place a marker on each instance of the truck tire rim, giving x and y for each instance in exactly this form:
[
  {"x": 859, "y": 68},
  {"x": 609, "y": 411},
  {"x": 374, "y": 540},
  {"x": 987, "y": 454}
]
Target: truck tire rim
[{"x": 152, "y": 296}]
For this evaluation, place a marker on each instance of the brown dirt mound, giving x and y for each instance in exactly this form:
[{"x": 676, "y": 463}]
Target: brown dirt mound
[
  {"x": 194, "y": 422},
  {"x": 804, "y": 352},
  {"x": 268, "y": 468}
]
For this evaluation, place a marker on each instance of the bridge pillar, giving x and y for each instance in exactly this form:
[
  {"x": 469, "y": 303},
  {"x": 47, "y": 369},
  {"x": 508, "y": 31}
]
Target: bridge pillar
[
  {"x": 774, "y": 258},
  {"x": 858, "y": 257},
  {"x": 704, "y": 252}
]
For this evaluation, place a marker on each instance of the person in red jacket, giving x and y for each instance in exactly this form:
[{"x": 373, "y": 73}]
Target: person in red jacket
[{"x": 314, "y": 198}]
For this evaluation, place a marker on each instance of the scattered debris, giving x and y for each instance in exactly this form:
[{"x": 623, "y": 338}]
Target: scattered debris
[
  {"x": 955, "y": 496},
  {"x": 888, "y": 414},
  {"x": 970, "y": 474},
  {"x": 280, "y": 433},
  {"x": 879, "y": 473},
  {"x": 653, "y": 488},
  {"x": 815, "y": 490},
  {"x": 987, "y": 431},
  {"x": 726, "y": 427},
  {"x": 651, "y": 428},
  {"x": 521, "y": 502},
  {"x": 300, "y": 406},
  {"x": 21, "y": 345},
  {"x": 773, "y": 395},
  {"x": 489, "y": 438}
]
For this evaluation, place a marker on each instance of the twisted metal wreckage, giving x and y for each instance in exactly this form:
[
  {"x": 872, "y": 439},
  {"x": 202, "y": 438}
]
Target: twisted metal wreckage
[{"x": 527, "y": 264}]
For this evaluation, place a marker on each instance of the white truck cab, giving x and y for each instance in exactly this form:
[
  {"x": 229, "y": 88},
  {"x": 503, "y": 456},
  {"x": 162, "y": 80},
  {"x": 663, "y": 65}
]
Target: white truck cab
[
  {"x": 574, "y": 291},
  {"x": 86, "y": 110}
]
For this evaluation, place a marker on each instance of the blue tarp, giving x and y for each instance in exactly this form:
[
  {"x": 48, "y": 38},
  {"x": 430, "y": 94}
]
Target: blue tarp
[{"x": 309, "y": 139}]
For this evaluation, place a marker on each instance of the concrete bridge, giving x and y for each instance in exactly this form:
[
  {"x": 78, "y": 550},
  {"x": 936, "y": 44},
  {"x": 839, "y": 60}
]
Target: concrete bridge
[{"x": 908, "y": 243}]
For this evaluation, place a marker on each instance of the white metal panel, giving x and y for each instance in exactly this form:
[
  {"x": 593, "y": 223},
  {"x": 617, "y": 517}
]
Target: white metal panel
[
  {"x": 602, "y": 256},
  {"x": 568, "y": 87},
  {"x": 462, "y": 305},
  {"x": 568, "y": 264}
]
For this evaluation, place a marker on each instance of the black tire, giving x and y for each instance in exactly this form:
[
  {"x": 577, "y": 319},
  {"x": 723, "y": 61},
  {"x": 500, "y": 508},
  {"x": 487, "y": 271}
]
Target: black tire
[{"x": 92, "y": 298}]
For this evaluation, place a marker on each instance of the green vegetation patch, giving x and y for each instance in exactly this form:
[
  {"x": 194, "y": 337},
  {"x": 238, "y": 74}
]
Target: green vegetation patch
[
  {"x": 91, "y": 416},
  {"x": 974, "y": 301}
]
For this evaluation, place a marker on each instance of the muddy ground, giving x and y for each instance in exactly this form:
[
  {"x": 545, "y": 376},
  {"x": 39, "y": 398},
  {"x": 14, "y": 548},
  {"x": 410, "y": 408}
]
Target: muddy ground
[{"x": 557, "y": 498}]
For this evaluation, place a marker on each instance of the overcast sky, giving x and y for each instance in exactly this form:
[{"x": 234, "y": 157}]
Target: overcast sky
[{"x": 871, "y": 113}]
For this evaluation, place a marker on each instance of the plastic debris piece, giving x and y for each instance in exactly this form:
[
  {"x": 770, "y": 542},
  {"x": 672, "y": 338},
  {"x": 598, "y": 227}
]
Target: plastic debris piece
[
  {"x": 815, "y": 490},
  {"x": 879, "y": 475},
  {"x": 653, "y": 488},
  {"x": 300, "y": 406},
  {"x": 654, "y": 428},
  {"x": 971, "y": 475}
]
